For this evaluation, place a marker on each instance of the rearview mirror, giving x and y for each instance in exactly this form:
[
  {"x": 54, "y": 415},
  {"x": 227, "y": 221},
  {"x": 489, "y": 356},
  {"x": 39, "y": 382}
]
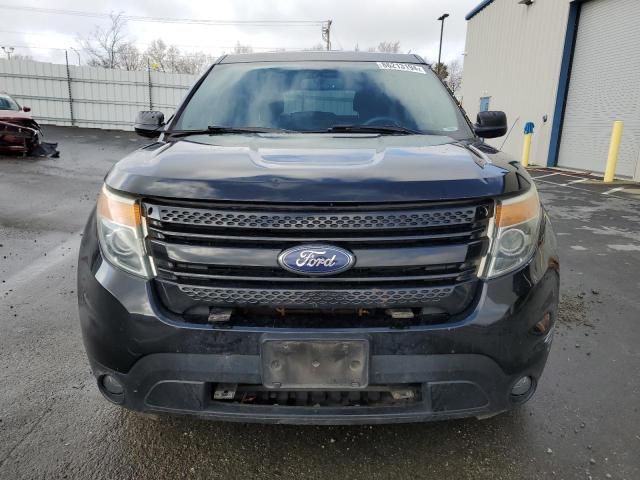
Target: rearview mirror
[
  {"x": 149, "y": 123},
  {"x": 26, "y": 109},
  {"x": 491, "y": 124}
]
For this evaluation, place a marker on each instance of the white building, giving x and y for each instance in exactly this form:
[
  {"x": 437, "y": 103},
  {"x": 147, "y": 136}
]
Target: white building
[{"x": 571, "y": 67}]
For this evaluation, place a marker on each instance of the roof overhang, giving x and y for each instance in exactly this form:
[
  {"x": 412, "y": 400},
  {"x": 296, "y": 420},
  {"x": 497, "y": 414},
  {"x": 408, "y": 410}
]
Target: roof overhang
[{"x": 484, "y": 4}]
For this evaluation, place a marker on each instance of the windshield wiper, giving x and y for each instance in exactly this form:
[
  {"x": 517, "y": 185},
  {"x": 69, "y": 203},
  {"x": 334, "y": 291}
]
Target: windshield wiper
[
  {"x": 384, "y": 129},
  {"x": 217, "y": 129}
]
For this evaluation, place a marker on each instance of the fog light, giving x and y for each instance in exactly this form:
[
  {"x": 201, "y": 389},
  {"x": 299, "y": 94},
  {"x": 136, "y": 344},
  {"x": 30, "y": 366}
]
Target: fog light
[
  {"x": 543, "y": 326},
  {"x": 522, "y": 387},
  {"x": 112, "y": 386}
]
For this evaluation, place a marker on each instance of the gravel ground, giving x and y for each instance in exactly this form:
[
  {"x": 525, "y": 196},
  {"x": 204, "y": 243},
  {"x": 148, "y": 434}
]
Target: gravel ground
[{"x": 584, "y": 421}]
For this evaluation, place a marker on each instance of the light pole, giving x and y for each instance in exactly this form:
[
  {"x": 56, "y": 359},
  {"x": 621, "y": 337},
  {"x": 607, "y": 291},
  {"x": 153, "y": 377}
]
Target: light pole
[
  {"x": 8, "y": 51},
  {"x": 441, "y": 19}
]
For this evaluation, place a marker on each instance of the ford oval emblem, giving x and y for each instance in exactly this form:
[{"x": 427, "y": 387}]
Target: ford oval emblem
[{"x": 316, "y": 260}]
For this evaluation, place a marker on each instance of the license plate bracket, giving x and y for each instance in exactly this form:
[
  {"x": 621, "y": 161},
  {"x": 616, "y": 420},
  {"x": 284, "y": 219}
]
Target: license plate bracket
[{"x": 329, "y": 364}]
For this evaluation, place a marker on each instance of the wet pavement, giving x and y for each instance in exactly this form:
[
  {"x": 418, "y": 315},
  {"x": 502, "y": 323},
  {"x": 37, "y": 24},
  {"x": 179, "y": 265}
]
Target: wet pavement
[{"x": 584, "y": 421}]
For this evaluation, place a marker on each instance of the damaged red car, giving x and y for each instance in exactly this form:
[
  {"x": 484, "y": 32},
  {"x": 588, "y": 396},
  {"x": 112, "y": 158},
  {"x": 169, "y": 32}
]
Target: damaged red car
[{"x": 19, "y": 132}]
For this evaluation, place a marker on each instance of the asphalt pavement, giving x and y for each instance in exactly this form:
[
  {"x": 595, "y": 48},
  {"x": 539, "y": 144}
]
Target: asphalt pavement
[{"x": 584, "y": 421}]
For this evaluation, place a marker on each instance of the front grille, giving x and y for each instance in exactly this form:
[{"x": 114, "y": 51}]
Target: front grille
[
  {"x": 391, "y": 297},
  {"x": 317, "y": 221},
  {"x": 406, "y": 255}
]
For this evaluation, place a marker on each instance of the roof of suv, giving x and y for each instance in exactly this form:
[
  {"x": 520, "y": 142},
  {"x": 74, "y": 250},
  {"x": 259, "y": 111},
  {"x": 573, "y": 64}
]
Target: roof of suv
[{"x": 322, "y": 56}]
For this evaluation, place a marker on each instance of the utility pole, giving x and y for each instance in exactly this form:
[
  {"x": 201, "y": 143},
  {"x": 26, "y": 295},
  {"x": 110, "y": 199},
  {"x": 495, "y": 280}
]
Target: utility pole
[
  {"x": 8, "y": 51},
  {"x": 441, "y": 19},
  {"x": 326, "y": 33}
]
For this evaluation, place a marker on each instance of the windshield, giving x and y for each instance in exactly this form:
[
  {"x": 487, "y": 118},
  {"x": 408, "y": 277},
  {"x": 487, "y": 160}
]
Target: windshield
[
  {"x": 319, "y": 96},
  {"x": 7, "y": 103}
]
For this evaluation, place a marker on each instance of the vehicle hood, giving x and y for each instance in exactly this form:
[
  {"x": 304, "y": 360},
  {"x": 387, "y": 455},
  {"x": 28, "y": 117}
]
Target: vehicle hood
[
  {"x": 14, "y": 115},
  {"x": 316, "y": 168}
]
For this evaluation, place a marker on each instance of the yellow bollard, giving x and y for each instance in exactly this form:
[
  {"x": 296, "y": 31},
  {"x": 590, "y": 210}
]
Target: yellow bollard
[
  {"x": 526, "y": 150},
  {"x": 614, "y": 150},
  {"x": 526, "y": 147}
]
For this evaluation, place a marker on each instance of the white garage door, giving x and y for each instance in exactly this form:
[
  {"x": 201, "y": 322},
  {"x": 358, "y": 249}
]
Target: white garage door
[{"x": 604, "y": 86}]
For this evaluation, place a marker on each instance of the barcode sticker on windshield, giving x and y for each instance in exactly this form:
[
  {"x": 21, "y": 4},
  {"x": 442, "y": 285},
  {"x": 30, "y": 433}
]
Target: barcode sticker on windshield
[{"x": 403, "y": 67}]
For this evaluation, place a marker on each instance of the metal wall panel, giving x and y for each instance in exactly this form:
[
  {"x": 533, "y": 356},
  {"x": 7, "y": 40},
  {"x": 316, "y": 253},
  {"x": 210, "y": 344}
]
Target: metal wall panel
[
  {"x": 41, "y": 86},
  {"x": 603, "y": 88},
  {"x": 102, "y": 98},
  {"x": 513, "y": 55}
]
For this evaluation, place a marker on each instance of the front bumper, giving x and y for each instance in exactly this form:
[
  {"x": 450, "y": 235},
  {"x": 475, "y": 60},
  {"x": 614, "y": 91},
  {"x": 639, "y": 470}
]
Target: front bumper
[
  {"x": 453, "y": 386},
  {"x": 467, "y": 368}
]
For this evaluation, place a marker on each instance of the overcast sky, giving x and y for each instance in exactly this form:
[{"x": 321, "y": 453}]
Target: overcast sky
[{"x": 363, "y": 23}]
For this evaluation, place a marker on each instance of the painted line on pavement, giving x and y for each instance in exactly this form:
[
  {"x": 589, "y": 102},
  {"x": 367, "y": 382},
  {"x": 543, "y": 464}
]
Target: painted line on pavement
[
  {"x": 543, "y": 176},
  {"x": 610, "y": 193},
  {"x": 578, "y": 181}
]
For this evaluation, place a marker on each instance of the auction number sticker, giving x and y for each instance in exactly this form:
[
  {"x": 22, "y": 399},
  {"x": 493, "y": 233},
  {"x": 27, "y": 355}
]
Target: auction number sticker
[{"x": 402, "y": 67}]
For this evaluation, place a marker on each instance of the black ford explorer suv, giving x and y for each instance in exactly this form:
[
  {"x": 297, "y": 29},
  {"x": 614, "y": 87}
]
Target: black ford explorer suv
[{"x": 318, "y": 238}]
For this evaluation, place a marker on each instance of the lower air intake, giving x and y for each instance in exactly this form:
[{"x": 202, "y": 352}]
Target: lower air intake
[
  {"x": 374, "y": 297},
  {"x": 384, "y": 395}
]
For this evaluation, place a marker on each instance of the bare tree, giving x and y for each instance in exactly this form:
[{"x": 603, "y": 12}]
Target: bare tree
[
  {"x": 239, "y": 48},
  {"x": 168, "y": 58},
  {"x": 156, "y": 55},
  {"x": 130, "y": 58},
  {"x": 389, "y": 47},
  {"x": 173, "y": 60},
  {"x": 103, "y": 44},
  {"x": 195, "y": 63},
  {"x": 454, "y": 80},
  {"x": 110, "y": 48}
]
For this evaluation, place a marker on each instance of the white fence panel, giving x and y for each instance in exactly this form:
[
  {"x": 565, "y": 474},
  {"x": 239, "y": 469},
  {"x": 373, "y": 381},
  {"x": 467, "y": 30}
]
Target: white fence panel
[
  {"x": 169, "y": 89},
  {"x": 90, "y": 96},
  {"x": 41, "y": 86}
]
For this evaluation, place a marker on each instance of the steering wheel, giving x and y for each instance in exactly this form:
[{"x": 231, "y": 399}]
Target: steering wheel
[{"x": 379, "y": 119}]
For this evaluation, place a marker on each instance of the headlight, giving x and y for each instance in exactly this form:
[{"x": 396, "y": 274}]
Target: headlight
[
  {"x": 515, "y": 235},
  {"x": 120, "y": 233}
]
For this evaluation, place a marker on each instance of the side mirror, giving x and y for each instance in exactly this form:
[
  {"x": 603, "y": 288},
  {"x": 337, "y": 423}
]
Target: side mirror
[
  {"x": 491, "y": 124},
  {"x": 148, "y": 124},
  {"x": 26, "y": 109}
]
